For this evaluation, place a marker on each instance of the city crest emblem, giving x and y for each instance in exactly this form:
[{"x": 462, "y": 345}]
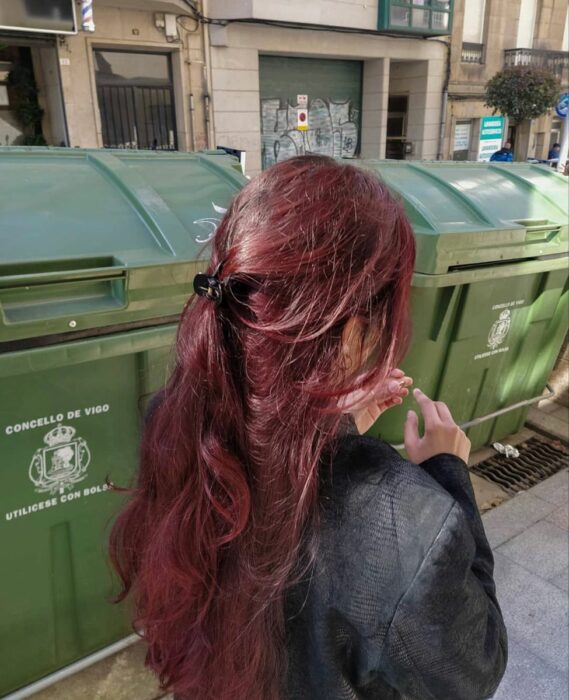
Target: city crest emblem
[
  {"x": 62, "y": 463},
  {"x": 500, "y": 330}
]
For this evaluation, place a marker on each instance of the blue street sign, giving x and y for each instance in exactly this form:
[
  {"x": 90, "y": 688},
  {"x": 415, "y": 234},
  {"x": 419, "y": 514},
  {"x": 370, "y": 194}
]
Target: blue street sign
[{"x": 562, "y": 107}]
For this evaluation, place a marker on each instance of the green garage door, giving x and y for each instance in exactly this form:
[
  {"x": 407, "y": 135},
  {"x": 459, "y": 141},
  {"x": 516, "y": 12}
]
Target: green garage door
[{"x": 331, "y": 124}]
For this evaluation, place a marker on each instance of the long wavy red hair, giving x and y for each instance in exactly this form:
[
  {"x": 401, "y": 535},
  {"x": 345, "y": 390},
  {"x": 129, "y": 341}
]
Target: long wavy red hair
[{"x": 224, "y": 517}]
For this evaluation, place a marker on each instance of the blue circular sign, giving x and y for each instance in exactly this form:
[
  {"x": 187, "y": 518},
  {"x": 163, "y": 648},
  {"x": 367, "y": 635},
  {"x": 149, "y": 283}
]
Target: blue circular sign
[{"x": 562, "y": 107}]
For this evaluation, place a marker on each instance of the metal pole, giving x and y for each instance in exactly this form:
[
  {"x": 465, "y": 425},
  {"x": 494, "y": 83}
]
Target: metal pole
[
  {"x": 564, "y": 152},
  {"x": 70, "y": 670},
  {"x": 495, "y": 414}
]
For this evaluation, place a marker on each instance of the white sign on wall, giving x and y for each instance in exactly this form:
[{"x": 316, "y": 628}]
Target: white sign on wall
[{"x": 462, "y": 137}]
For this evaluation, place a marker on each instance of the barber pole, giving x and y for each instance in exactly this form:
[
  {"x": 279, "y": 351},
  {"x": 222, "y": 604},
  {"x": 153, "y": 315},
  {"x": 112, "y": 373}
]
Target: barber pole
[{"x": 87, "y": 22}]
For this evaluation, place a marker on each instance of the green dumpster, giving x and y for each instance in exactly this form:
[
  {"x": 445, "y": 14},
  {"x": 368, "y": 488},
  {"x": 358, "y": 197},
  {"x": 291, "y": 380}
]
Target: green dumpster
[
  {"x": 489, "y": 296},
  {"x": 98, "y": 254}
]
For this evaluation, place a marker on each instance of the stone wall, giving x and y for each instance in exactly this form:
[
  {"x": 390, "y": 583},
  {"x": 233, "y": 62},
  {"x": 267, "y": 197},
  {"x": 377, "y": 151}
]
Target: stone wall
[{"x": 129, "y": 29}]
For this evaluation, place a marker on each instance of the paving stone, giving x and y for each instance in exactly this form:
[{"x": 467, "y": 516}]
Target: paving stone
[
  {"x": 119, "y": 677},
  {"x": 528, "y": 677},
  {"x": 535, "y": 613},
  {"x": 561, "y": 580},
  {"x": 513, "y": 517},
  {"x": 555, "y": 489},
  {"x": 548, "y": 423},
  {"x": 542, "y": 549},
  {"x": 548, "y": 406},
  {"x": 486, "y": 493},
  {"x": 560, "y": 517},
  {"x": 562, "y": 413}
]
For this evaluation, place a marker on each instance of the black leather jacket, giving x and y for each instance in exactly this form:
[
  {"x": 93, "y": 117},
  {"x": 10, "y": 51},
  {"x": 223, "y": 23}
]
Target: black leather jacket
[{"x": 401, "y": 601}]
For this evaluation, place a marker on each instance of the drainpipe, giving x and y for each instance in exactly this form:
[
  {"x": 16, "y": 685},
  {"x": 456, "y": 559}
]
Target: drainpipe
[
  {"x": 444, "y": 104},
  {"x": 564, "y": 152},
  {"x": 192, "y": 120},
  {"x": 210, "y": 135}
]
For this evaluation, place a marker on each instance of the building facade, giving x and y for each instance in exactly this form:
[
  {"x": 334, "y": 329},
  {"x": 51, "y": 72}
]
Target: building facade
[
  {"x": 366, "y": 77},
  {"x": 139, "y": 80},
  {"x": 177, "y": 74},
  {"x": 357, "y": 78},
  {"x": 487, "y": 36}
]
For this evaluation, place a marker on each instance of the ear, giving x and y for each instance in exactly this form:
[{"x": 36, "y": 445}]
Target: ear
[{"x": 352, "y": 343}]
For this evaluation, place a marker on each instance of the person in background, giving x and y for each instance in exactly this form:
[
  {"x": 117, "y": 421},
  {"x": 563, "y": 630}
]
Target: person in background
[
  {"x": 504, "y": 155},
  {"x": 272, "y": 550},
  {"x": 554, "y": 152}
]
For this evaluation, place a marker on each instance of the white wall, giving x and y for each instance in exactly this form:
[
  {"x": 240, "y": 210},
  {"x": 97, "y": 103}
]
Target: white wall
[{"x": 344, "y": 13}]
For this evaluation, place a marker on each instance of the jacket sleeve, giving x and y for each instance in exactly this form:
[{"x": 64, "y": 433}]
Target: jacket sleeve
[{"x": 447, "y": 637}]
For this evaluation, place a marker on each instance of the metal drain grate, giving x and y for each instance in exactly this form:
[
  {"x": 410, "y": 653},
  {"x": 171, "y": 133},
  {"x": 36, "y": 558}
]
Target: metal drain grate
[{"x": 538, "y": 460}]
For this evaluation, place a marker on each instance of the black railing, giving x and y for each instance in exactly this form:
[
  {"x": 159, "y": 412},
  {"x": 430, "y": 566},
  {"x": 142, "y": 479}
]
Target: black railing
[
  {"x": 555, "y": 61},
  {"x": 139, "y": 117},
  {"x": 472, "y": 53}
]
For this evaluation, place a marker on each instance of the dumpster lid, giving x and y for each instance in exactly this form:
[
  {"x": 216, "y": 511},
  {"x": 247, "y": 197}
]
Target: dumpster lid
[
  {"x": 81, "y": 229},
  {"x": 467, "y": 214}
]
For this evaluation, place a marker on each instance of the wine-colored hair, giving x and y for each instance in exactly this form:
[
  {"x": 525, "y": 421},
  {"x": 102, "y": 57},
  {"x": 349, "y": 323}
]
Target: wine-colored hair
[{"x": 224, "y": 516}]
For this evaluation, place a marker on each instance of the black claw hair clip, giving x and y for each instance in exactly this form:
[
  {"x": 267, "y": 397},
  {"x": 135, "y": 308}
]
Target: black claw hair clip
[{"x": 209, "y": 287}]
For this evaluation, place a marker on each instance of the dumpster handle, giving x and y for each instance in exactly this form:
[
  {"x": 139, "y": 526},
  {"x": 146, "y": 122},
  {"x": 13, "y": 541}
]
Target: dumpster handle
[
  {"x": 67, "y": 671},
  {"x": 501, "y": 412}
]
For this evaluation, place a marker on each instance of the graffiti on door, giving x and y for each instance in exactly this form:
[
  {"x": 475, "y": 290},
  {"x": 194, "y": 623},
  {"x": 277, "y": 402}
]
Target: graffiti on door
[{"x": 332, "y": 130}]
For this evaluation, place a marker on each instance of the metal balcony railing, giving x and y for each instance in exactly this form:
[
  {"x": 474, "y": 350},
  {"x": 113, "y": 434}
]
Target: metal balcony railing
[
  {"x": 555, "y": 61},
  {"x": 472, "y": 53}
]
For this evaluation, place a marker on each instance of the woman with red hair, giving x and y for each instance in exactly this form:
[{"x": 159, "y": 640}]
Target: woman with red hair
[{"x": 272, "y": 551}]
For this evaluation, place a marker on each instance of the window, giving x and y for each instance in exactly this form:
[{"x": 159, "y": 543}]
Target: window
[
  {"x": 136, "y": 99},
  {"x": 526, "y": 24},
  {"x": 473, "y": 32},
  {"x": 396, "y": 126},
  {"x": 473, "y": 28},
  {"x": 424, "y": 17}
]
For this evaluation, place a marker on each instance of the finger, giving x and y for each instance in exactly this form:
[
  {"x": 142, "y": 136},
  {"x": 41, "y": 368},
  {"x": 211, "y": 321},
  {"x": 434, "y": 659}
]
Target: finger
[
  {"x": 411, "y": 430},
  {"x": 392, "y": 387},
  {"x": 399, "y": 387},
  {"x": 397, "y": 373},
  {"x": 427, "y": 407},
  {"x": 444, "y": 412}
]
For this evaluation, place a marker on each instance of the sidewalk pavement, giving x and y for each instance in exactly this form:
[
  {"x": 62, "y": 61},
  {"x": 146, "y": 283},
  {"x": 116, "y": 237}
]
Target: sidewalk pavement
[{"x": 529, "y": 535}]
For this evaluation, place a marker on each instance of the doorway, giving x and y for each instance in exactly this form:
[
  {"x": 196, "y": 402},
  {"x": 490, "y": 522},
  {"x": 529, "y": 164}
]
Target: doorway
[
  {"x": 136, "y": 100},
  {"x": 31, "y": 102},
  {"x": 328, "y": 95},
  {"x": 397, "y": 110}
]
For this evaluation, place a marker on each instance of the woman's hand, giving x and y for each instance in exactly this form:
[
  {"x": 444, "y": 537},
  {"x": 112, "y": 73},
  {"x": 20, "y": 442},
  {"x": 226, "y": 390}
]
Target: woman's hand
[
  {"x": 366, "y": 405},
  {"x": 442, "y": 435}
]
